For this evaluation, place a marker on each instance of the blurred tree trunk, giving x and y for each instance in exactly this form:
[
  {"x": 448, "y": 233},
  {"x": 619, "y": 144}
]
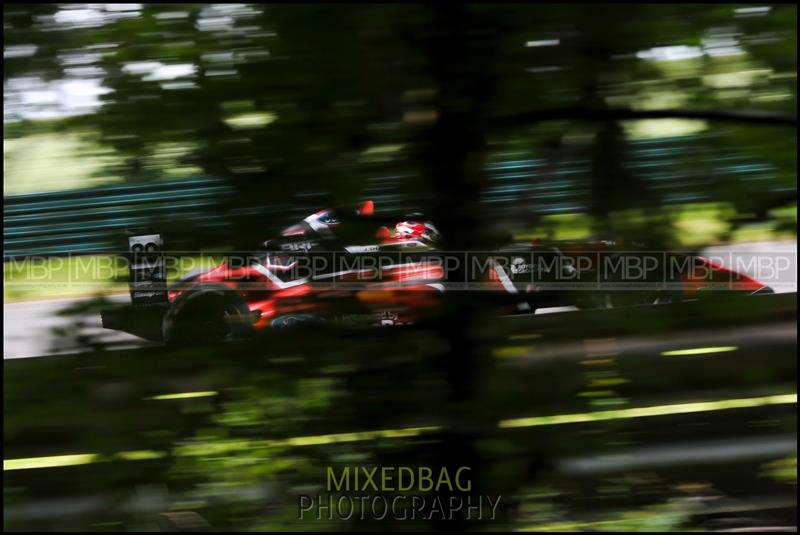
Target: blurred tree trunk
[
  {"x": 614, "y": 185},
  {"x": 454, "y": 155},
  {"x": 611, "y": 186}
]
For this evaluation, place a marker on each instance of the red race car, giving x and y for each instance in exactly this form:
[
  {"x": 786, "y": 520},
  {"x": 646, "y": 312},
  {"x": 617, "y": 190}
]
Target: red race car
[{"x": 352, "y": 267}]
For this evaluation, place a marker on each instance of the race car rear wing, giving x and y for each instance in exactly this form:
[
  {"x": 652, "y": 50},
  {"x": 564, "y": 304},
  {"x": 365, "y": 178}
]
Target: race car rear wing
[{"x": 147, "y": 274}]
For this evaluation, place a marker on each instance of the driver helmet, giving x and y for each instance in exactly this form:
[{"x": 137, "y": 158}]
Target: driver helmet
[{"x": 416, "y": 230}]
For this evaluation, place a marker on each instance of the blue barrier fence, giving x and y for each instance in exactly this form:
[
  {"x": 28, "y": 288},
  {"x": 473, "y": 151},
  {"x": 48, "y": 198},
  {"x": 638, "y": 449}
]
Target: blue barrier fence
[
  {"x": 679, "y": 170},
  {"x": 95, "y": 219}
]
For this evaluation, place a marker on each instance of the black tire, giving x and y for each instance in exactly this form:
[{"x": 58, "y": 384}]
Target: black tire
[{"x": 211, "y": 313}]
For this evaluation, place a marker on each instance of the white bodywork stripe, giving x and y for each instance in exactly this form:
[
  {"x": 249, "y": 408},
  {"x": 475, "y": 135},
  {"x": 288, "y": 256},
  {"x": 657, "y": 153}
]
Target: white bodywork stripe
[
  {"x": 504, "y": 280},
  {"x": 275, "y": 280},
  {"x": 509, "y": 285}
]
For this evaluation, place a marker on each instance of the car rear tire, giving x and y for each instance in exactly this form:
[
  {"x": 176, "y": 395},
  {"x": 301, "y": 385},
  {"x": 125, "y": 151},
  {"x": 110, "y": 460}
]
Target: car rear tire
[{"x": 212, "y": 313}]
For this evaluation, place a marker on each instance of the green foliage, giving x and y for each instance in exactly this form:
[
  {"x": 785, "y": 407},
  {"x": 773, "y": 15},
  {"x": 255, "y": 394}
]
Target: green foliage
[
  {"x": 318, "y": 104},
  {"x": 290, "y": 100}
]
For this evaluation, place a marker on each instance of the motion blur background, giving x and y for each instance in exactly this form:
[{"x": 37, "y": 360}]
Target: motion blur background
[{"x": 221, "y": 123}]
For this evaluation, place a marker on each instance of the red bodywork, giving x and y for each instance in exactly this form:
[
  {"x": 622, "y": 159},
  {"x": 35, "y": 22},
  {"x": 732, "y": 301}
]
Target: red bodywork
[
  {"x": 406, "y": 291},
  {"x": 707, "y": 274},
  {"x": 396, "y": 294},
  {"x": 393, "y": 294}
]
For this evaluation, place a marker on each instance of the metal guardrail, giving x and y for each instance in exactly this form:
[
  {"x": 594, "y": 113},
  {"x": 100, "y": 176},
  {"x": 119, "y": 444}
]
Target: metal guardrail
[{"x": 91, "y": 220}]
